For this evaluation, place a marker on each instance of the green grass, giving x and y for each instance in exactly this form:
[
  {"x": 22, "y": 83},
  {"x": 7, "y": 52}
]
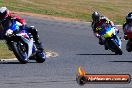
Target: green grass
[
  {"x": 4, "y": 52},
  {"x": 116, "y": 10}
]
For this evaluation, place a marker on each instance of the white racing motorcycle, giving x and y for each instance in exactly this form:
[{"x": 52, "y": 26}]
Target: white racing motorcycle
[{"x": 22, "y": 44}]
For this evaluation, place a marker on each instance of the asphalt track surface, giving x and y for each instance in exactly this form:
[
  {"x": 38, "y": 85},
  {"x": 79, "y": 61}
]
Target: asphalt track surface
[{"x": 76, "y": 46}]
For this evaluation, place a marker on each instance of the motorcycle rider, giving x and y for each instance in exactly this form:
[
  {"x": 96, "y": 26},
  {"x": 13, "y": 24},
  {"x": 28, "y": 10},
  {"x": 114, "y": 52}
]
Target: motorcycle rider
[
  {"x": 127, "y": 29},
  {"x": 98, "y": 21},
  {"x": 6, "y": 17}
]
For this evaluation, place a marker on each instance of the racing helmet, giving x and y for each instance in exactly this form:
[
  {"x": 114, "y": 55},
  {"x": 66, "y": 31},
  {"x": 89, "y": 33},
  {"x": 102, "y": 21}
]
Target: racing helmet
[
  {"x": 4, "y": 13},
  {"x": 129, "y": 18},
  {"x": 96, "y": 16}
]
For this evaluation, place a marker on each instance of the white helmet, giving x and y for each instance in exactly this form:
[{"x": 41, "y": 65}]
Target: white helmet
[{"x": 4, "y": 13}]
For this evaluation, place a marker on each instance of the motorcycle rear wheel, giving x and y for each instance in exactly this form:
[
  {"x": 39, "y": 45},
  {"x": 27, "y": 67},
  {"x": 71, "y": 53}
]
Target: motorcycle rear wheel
[{"x": 40, "y": 57}]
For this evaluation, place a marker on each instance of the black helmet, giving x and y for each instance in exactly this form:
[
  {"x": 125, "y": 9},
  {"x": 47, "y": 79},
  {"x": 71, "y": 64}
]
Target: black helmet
[
  {"x": 129, "y": 18},
  {"x": 4, "y": 13},
  {"x": 96, "y": 16}
]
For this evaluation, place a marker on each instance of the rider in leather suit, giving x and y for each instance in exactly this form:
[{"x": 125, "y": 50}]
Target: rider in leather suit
[
  {"x": 127, "y": 29},
  {"x": 6, "y": 17},
  {"x": 97, "y": 21}
]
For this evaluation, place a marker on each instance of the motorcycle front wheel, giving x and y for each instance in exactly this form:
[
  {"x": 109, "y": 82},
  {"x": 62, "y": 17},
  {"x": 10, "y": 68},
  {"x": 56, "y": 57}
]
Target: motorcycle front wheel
[
  {"x": 114, "y": 47},
  {"x": 20, "y": 51}
]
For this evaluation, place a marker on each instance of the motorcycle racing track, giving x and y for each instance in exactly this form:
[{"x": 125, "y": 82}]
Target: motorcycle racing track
[{"x": 76, "y": 46}]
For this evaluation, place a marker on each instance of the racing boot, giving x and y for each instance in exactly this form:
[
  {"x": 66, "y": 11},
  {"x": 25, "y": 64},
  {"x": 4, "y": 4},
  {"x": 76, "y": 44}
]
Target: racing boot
[
  {"x": 38, "y": 43},
  {"x": 34, "y": 32},
  {"x": 40, "y": 55}
]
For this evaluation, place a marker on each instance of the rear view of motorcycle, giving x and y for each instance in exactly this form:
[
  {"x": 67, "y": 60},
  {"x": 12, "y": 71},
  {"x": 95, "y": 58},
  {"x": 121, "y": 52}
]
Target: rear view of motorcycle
[{"x": 22, "y": 44}]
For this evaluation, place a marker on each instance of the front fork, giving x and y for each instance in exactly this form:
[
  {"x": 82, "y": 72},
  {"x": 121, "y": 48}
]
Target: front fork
[{"x": 118, "y": 41}]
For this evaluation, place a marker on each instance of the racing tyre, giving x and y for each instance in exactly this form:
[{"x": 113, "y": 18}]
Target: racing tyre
[
  {"x": 20, "y": 51},
  {"x": 40, "y": 57},
  {"x": 115, "y": 48},
  {"x": 118, "y": 51}
]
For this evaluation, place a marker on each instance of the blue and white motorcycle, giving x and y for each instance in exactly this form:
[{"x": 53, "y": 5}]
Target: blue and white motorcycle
[
  {"x": 111, "y": 40},
  {"x": 22, "y": 44}
]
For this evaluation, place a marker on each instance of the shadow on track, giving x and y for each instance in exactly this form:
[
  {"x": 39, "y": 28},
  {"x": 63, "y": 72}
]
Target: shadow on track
[
  {"x": 13, "y": 62},
  {"x": 95, "y": 54},
  {"x": 121, "y": 61}
]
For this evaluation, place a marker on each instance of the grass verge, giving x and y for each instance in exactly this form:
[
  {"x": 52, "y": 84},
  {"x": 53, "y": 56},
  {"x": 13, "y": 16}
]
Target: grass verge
[
  {"x": 4, "y": 52},
  {"x": 80, "y": 9}
]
